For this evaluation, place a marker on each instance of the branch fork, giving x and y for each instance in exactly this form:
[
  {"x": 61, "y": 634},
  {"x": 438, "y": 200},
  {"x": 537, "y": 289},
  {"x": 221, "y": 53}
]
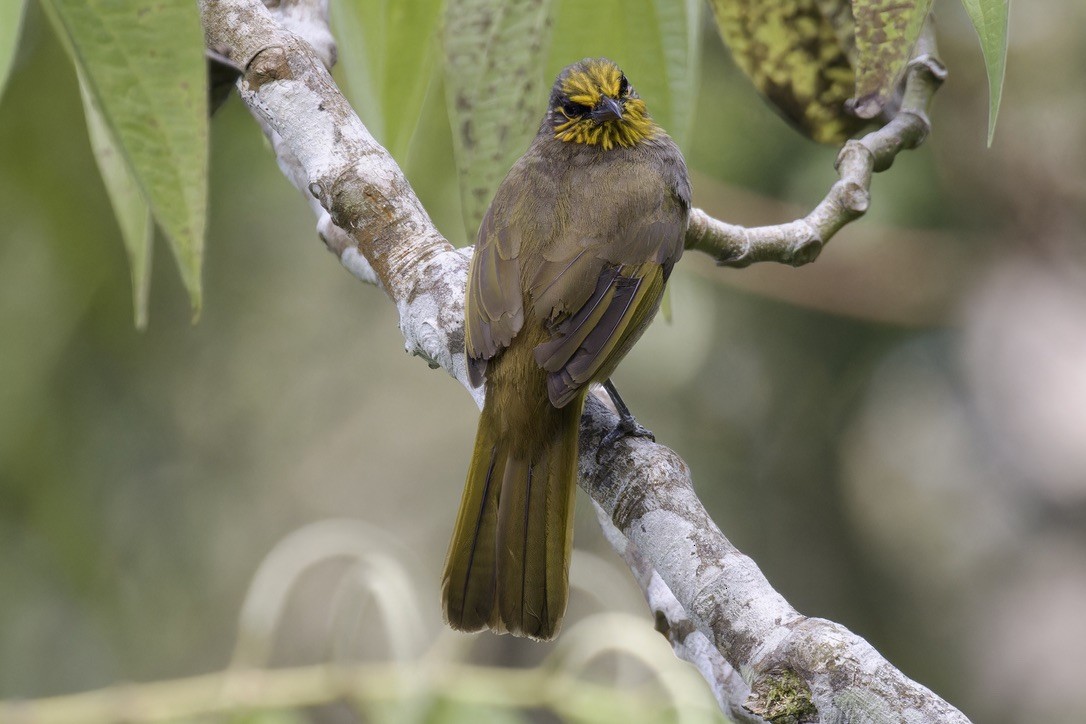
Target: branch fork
[{"x": 801, "y": 241}]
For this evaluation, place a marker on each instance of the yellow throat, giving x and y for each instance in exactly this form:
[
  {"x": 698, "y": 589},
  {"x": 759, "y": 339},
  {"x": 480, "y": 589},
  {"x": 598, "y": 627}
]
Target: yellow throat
[{"x": 598, "y": 107}]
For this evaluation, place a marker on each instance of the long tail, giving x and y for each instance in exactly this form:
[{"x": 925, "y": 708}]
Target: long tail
[{"x": 508, "y": 563}]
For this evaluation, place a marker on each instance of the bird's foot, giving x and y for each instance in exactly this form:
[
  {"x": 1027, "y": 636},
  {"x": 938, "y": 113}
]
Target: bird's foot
[{"x": 627, "y": 425}]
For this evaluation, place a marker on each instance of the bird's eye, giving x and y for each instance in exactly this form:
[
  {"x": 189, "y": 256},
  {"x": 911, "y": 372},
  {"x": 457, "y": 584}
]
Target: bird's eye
[
  {"x": 623, "y": 86},
  {"x": 572, "y": 109}
]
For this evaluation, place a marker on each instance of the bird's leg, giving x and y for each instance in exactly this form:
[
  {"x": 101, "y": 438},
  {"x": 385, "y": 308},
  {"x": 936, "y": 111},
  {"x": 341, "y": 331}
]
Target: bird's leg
[{"x": 627, "y": 426}]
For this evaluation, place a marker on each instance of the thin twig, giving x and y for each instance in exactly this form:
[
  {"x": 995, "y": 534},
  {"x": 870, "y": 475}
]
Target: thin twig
[{"x": 800, "y": 242}]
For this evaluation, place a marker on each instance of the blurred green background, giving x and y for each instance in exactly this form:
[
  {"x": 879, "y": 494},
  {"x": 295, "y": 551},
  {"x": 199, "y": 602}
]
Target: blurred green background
[{"x": 896, "y": 434}]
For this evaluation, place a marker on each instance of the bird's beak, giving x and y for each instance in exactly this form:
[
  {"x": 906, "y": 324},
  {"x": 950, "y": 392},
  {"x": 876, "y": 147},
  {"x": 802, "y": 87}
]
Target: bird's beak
[{"x": 608, "y": 109}]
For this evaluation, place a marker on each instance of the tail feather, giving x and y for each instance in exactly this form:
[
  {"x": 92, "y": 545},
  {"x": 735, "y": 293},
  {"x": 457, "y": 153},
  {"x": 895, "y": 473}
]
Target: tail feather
[
  {"x": 517, "y": 532},
  {"x": 508, "y": 563},
  {"x": 467, "y": 586}
]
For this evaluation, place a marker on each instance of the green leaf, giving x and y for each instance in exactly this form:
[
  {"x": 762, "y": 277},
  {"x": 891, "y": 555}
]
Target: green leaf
[
  {"x": 655, "y": 42},
  {"x": 132, "y": 212},
  {"x": 11, "y": 20},
  {"x": 666, "y": 310},
  {"x": 990, "y": 21},
  {"x": 798, "y": 55},
  {"x": 493, "y": 89},
  {"x": 886, "y": 32},
  {"x": 143, "y": 63},
  {"x": 386, "y": 54}
]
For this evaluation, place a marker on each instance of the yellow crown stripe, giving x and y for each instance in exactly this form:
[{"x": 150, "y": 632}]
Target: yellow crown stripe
[{"x": 587, "y": 85}]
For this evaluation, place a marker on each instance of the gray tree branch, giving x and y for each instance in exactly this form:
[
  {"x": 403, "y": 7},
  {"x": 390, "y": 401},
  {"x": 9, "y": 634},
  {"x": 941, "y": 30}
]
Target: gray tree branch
[{"x": 763, "y": 659}]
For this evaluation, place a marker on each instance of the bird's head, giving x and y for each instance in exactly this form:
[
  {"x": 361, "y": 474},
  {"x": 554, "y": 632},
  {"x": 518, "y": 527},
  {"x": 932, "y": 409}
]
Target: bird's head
[{"x": 592, "y": 103}]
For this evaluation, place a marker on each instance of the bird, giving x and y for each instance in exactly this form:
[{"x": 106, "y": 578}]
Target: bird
[{"x": 568, "y": 269}]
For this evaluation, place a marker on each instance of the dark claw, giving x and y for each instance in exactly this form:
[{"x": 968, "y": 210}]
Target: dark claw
[{"x": 627, "y": 426}]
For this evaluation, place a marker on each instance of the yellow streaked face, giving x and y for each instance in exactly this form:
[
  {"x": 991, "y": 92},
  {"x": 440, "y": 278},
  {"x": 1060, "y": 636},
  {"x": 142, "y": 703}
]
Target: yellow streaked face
[{"x": 594, "y": 104}]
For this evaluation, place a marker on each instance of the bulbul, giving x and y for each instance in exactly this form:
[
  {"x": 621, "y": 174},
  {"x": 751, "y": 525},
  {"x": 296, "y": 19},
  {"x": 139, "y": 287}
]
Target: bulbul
[{"x": 569, "y": 268}]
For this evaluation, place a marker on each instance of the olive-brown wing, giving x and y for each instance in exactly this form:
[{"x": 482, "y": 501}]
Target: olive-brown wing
[
  {"x": 493, "y": 307},
  {"x": 600, "y": 295},
  {"x": 588, "y": 345}
]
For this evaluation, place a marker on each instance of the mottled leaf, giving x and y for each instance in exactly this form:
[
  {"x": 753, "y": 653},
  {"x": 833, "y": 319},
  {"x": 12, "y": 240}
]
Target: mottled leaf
[
  {"x": 655, "y": 42},
  {"x": 11, "y": 20},
  {"x": 838, "y": 13},
  {"x": 386, "y": 56},
  {"x": 131, "y": 210},
  {"x": 794, "y": 55},
  {"x": 143, "y": 63},
  {"x": 494, "y": 90},
  {"x": 990, "y": 20},
  {"x": 886, "y": 31}
]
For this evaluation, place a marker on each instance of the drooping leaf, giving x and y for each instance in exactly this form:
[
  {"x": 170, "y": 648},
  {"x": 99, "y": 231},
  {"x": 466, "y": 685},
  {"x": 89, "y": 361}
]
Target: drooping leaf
[
  {"x": 886, "y": 32},
  {"x": 11, "y": 20},
  {"x": 794, "y": 54},
  {"x": 494, "y": 90},
  {"x": 386, "y": 53},
  {"x": 132, "y": 212},
  {"x": 143, "y": 63},
  {"x": 655, "y": 42},
  {"x": 990, "y": 20}
]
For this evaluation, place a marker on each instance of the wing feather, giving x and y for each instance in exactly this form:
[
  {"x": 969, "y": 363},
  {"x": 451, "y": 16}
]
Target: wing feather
[
  {"x": 493, "y": 307},
  {"x": 598, "y": 299},
  {"x": 592, "y": 344}
]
